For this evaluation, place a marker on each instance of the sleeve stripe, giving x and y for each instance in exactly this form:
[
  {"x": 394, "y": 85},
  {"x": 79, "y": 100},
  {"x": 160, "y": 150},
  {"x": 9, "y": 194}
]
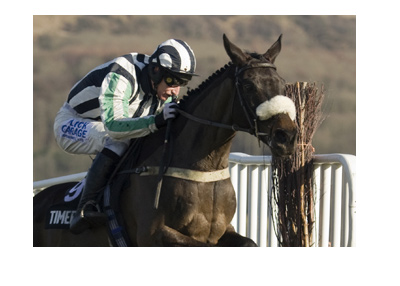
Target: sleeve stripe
[{"x": 115, "y": 110}]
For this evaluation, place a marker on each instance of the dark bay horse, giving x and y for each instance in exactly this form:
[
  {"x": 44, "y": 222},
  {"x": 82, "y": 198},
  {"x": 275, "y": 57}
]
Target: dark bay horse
[{"x": 197, "y": 200}]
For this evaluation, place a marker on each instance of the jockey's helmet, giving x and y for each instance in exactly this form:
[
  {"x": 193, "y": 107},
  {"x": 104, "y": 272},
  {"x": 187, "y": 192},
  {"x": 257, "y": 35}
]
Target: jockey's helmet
[{"x": 176, "y": 62}]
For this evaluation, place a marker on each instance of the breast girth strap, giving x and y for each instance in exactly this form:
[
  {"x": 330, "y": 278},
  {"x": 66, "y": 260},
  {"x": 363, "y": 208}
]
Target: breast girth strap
[{"x": 185, "y": 174}]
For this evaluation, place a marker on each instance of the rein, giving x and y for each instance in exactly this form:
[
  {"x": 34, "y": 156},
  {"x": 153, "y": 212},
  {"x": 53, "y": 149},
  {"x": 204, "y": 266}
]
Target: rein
[
  {"x": 249, "y": 113},
  {"x": 233, "y": 127}
]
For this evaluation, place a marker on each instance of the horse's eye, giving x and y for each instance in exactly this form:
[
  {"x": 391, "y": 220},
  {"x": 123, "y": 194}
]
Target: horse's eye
[{"x": 247, "y": 87}]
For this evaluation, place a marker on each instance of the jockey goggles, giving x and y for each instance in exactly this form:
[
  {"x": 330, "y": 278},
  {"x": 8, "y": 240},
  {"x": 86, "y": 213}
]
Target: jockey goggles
[{"x": 172, "y": 80}]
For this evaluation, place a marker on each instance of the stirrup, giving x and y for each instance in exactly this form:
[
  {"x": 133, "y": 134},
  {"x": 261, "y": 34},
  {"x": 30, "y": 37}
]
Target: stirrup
[
  {"x": 85, "y": 219},
  {"x": 93, "y": 215}
]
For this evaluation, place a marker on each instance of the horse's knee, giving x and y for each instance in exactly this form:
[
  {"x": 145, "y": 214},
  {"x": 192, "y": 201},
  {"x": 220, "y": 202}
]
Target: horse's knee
[
  {"x": 233, "y": 239},
  {"x": 249, "y": 243},
  {"x": 166, "y": 236}
]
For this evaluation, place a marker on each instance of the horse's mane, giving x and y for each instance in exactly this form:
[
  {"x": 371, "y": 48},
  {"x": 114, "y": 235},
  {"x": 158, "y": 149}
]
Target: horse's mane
[{"x": 193, "y": 93}]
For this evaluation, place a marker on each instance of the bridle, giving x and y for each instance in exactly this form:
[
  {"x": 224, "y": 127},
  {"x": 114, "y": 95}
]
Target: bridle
[{"x": 251, "y": 116}]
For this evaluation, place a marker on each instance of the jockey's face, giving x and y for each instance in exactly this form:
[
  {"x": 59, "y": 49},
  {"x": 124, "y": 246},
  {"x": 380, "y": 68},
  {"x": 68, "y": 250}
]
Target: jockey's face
[{"x": 164, "y": 91}]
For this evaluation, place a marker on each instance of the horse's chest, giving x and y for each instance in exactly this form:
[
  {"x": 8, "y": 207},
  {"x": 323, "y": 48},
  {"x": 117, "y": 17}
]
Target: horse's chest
[{"x": 203, "y": 210}]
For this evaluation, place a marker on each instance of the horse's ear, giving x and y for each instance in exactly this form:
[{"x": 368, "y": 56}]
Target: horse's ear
[
  {"x": 274, "y": 50},
  {"x": 237, "y": 56}
]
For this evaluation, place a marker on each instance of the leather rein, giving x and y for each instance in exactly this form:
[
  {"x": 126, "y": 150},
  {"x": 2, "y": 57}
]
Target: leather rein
[{"x": 251, "y": 116}]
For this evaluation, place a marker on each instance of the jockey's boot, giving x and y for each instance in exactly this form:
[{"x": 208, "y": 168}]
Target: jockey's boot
[{"x": 88, "y": 214}]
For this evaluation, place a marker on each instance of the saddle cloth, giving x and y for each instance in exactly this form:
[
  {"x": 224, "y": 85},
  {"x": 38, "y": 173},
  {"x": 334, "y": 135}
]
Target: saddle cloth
[{"x": 59, "y": 215}]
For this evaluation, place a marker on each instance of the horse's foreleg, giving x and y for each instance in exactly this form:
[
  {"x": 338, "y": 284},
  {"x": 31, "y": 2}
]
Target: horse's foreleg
[
  {"x": 232, "y": 238},
  {"x": 166, "y": 236}
]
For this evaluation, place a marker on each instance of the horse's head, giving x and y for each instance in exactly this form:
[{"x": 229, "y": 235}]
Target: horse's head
[{"x": 263, "y": 106}]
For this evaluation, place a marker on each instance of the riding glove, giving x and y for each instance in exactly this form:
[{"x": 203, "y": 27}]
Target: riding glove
[{"x": 169, "y": 112}]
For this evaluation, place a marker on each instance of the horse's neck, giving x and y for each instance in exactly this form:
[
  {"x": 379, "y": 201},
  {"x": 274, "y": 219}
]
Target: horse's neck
[{"x": 205, "y": 147}]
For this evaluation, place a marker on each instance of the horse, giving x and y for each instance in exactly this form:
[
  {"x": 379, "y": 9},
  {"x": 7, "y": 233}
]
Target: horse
[{"x": 188, "y": 199}]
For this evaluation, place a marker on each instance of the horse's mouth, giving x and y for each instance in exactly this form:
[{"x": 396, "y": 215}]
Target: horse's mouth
[
  {"x": 283, "y": 144},
  {"x": 281, "y": 153}
]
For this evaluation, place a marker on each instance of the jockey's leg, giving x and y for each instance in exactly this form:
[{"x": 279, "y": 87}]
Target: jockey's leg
[
  {"x": 88, "y": 214},
  {"x": 78, "y": 135}
]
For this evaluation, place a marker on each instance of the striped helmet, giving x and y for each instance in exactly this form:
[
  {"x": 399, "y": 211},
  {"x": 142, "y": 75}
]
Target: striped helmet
[{"x": 175, "y": 56}]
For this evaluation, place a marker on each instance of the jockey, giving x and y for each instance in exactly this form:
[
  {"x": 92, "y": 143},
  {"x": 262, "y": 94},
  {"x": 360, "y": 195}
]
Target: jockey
[{"x": 127, "y": 97}]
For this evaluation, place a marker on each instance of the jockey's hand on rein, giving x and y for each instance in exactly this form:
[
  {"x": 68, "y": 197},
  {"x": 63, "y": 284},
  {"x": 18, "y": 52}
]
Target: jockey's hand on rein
[{"x": 169, "y": 112}]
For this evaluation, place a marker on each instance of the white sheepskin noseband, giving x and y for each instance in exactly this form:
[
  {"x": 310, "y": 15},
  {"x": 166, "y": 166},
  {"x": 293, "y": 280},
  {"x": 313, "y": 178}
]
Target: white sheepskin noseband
[{"x": 277, "y": 104}]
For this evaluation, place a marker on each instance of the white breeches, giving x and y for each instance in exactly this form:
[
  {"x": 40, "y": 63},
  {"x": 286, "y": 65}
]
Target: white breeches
[{"x": 78, "y": 135}]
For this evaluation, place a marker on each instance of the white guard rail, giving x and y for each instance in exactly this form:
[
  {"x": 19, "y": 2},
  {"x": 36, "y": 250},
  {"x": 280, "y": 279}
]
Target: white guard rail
[
  {"x": 334, "y": 188},
  {"x": 335, "y": 193}
]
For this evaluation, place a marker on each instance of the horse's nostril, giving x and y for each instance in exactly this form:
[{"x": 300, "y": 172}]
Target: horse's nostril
[{"x": 280, "y": 136}]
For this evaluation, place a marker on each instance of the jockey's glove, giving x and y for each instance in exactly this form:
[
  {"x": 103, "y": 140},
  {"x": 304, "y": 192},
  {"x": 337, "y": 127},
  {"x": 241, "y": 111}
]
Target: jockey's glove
[{"x": 169, "y": 112}]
